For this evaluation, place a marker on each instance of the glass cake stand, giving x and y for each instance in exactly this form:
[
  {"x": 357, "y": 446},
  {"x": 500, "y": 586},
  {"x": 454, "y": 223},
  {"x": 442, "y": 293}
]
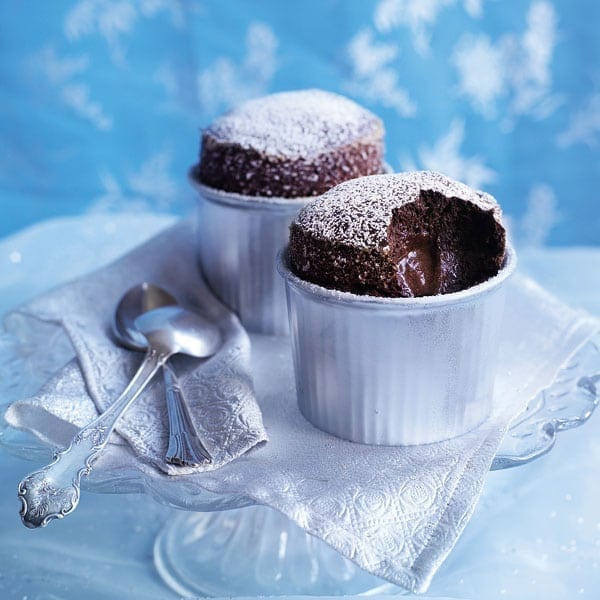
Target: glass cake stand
[{"x": 225, "y": 545}]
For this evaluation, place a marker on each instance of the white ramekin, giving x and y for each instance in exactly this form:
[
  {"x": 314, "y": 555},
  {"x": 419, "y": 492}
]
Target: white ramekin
[
  {"x": 238, "y": 241},
  {"x": 395, "y": 371}
]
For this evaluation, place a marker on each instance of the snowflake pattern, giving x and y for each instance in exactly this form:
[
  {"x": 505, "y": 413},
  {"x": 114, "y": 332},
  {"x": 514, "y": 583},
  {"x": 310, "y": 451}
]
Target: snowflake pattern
[
  {"x": 516, "y": 68},
  {"x": 445, "y": 156},
  {"x": 465, "y": 86}
]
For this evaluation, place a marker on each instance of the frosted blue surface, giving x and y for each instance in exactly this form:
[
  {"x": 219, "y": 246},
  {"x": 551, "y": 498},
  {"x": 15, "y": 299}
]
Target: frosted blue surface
[
  {"x": 102, "y": 100},
  {"x": 535, "y": 532}
]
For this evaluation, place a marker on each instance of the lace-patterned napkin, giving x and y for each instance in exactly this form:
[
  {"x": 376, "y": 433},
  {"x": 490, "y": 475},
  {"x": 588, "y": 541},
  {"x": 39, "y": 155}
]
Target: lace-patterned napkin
[
  {"x": 218, "y": 390},
  {"x": 396, "y": 512}
]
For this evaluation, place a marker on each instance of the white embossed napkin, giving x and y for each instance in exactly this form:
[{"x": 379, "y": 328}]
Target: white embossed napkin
[
  {"x": 218, "y": 390},
  {"x": 396, "y": 512}
]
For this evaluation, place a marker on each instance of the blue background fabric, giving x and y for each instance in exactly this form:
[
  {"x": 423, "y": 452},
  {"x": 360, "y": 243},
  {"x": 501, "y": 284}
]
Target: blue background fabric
[{"x": 102, "y": 101}]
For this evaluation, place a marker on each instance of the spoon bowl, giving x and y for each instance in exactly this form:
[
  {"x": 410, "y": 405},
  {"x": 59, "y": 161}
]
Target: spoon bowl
[
  {"x": 176, "y": 330},
  {"x": 138, "y": 300}
]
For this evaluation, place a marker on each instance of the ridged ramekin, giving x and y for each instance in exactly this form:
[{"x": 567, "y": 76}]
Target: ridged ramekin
[
  {"x": 238, "y": 240},
  {"x": 395, "y": 371}
]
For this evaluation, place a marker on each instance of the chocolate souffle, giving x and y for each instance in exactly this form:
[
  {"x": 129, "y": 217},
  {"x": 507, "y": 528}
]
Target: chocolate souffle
[
  {"x": 399, "y": 235},
  {"x": 291, "y": 145}
]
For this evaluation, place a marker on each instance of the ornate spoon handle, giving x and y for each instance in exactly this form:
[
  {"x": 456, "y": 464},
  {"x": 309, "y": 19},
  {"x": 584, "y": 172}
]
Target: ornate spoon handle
[
  {"x": 185, "y": 447},
  {"x": 53, "y": 491}
]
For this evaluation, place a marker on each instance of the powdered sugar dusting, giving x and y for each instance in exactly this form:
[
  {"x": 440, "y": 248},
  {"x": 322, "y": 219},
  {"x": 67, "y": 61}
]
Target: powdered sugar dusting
[
  {"x": 300, "y": 124},
  {"x": 358, "y": 212}
]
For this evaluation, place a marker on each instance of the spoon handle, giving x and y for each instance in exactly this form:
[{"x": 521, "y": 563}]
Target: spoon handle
[
  {"x": 53, "y": 491},
  {"x": 185, "y": 447}
]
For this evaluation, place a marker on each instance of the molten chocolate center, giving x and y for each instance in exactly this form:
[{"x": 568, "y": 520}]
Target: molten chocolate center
[
  {"x": 419, "y": 268},
  {"x": 442, "y": 245}
]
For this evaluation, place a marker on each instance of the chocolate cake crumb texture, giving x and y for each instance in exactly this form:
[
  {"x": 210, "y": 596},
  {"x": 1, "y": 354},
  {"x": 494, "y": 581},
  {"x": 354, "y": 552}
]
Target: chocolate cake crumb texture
[
  {"x": 291, "y": 144},
  {"x": 407, "y": 234}
]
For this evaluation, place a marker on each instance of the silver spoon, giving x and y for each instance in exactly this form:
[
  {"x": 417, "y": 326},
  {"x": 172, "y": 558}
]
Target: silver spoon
[
  {"x": 53, "y": 492},
  {"x": 185, "y": 447}
]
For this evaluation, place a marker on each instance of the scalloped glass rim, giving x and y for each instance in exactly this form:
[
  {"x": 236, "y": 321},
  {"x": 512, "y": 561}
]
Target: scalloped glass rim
[{"x": 531, "y": 435}]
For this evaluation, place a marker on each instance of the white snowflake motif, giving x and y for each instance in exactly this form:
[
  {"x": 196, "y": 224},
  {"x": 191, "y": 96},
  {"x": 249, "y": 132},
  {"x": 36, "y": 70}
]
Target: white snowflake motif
[
  {"x": 418, "y": 15},
  {"x": 113, "y": 19},
  {"x": 445, "y": 156},
  {"x": 151, "y": 186},
  {"x": 540, "y": 218},
  {"x": 60, "y": 71},
  {"x": 226, "y": 83},
  {"x": 584, "y": 125},
  {"x": 373, "y": 78},
  {"x": 514, "y": 68}
]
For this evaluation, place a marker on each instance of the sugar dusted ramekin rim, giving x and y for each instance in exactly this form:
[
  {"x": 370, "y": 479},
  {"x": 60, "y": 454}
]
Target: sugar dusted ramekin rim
[
  {"x": 242, "y": 201},
  {"x": 327, "y": 295}
]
